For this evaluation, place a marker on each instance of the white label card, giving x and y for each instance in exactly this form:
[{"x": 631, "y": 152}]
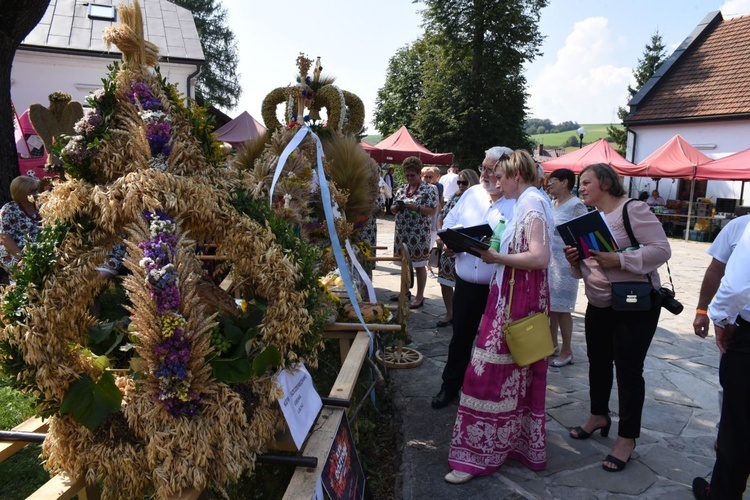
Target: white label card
[{"x": 300, "y": 402}]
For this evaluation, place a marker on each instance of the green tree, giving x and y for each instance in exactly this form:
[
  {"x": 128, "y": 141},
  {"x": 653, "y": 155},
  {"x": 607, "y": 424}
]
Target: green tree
[
  {"x": 397, "y": 100},
  {"x": 473, "y": 85},
  {"x": 17, "y": 19},
  {"x": 654, "y": 56},
  {"x": 218, "y": 82}
]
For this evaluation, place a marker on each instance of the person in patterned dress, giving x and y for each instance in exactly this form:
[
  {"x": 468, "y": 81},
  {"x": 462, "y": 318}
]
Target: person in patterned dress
[
  {"x": 19, "y": 221},
  {"x": 447, "y": 271},
  {"x": 501, "y": 414},
  {"x": 563, "y": 286},
  {"x": 415, "y": 203}
]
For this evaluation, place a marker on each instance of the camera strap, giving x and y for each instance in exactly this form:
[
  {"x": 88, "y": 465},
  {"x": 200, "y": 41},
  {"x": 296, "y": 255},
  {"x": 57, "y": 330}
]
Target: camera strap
[{"x": 634, "y": 242}]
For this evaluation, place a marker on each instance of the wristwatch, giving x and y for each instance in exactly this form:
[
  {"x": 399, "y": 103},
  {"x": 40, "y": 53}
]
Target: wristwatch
[{"x": 722, "y": 323}]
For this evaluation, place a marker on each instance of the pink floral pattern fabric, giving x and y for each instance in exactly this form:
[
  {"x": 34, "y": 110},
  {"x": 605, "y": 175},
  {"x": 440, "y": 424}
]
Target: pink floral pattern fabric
[
  {"x": 412, "y": 228},
  {"x": 502, "y": 413},
  {"x": 15, "y": 223}
]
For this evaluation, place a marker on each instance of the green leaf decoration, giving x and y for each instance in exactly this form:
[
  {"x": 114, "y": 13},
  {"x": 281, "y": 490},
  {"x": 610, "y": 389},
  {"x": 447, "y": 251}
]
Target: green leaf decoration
[
  {"x": 267, "y": 358},
  {"x": 231, "y": 371},
  {"x": 100, "y": 333},
  {"x": 231, "y": 330},
  {"x": 90, "y": 403}
]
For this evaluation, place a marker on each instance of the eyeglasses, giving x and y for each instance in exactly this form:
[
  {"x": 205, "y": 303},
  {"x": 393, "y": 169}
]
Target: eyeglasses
[
  {"x": 462, "y": 183},
  {"x": 487, "y": 170}
]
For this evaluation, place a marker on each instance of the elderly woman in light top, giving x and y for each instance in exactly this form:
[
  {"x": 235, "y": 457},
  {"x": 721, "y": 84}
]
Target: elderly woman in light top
[{"x": 562, "y": 285}]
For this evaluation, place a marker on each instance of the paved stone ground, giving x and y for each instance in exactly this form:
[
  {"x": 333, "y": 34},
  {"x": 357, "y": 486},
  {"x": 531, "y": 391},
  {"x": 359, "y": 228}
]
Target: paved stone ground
[{"x": 679, "y": 417}]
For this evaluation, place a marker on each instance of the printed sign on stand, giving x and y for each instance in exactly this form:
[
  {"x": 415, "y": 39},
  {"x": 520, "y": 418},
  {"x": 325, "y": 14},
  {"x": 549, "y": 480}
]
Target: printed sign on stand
[
  {"x": 343, "y": 477},
  {"x": 300, "y": 402}
]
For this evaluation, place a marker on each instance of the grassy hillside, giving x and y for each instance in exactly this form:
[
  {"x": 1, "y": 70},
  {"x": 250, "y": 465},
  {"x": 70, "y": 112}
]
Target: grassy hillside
[
  {"x": 594, "y": 132},
  {"x": 372, "y": 139}
]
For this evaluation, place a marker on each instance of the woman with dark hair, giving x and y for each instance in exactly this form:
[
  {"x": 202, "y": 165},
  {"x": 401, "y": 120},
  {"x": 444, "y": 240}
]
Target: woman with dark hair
[
  {"x": 502, "y": 415},
  {"x": 415, "y": 203},
  {"x": 615, "y": 337},
  {"x": 562, "y": 285},
  {"x": 19, "y": 221},
  {"x": 447, "y": 271}
]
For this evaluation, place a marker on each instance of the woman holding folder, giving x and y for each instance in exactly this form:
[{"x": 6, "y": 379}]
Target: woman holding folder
[{"x": 616, "y": 337}]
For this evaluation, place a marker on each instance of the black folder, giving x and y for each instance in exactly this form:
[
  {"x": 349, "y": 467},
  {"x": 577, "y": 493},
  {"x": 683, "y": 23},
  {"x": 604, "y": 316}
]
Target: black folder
[{"x": 467, "y": 239}]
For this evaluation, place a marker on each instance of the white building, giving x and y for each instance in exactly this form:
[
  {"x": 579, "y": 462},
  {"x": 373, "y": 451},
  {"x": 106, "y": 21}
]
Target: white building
[
  {"x": 702, "y": 92},
  {"x": 65, "y": 51}
]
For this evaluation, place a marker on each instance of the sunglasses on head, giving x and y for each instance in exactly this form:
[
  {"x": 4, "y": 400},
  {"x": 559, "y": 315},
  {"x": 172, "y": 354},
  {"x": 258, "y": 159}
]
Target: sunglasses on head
[{"x": 463, "y": 183}]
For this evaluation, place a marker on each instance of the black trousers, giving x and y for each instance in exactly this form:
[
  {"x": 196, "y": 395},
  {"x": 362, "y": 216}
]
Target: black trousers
[
  {"x": 619, "y": 338},
  {"x": 732, "y": 466},
  {"x": 469, "y": 301}
]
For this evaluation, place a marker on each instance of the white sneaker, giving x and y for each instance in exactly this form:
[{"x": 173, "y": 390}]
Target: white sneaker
[{"x": 458, "y": 477}]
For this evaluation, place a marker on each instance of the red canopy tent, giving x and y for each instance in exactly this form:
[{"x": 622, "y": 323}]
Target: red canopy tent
[
  {"x": 734, "y": 167},
  {"x": 677, "y": 158},
  {"x": 240, "y": 130},
  {"x": 374, "y": 152},
  {"x": 401, "y": 145},
  {"x": 597, "y": 152}
]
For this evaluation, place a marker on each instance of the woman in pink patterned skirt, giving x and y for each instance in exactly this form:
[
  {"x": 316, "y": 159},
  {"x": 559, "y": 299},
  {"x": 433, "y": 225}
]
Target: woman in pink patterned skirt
[{"x": 502, "y": 414}]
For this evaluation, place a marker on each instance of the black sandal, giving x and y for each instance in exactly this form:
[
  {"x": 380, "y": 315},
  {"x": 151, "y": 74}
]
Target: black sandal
[
  {"x": 582, "y": 434},
  {"x": 619, "y": 465}
]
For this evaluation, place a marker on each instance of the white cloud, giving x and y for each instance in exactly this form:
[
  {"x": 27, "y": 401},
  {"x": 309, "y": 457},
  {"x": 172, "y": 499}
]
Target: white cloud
[
  {"x": 583, "y": 84},
  {"x": 733, "y": 8}
]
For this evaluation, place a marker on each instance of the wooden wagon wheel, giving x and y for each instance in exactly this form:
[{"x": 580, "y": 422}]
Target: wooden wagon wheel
[{"x": 399, "y": 356}]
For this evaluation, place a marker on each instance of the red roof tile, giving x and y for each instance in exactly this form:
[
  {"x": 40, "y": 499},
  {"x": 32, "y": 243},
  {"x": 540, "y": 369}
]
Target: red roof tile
[{"x": 710, "y": 79}]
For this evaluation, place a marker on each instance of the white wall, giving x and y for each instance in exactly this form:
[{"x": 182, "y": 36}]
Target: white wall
[
  {"x": 714, "y": 139},
  {"x": 35, "y": 75}
]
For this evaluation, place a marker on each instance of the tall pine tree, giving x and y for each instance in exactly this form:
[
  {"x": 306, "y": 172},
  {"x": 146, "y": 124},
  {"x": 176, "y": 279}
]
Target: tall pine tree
[
  {"x": 218, "y": 82},
  {"x": 653, "y": 56},
  {"x": 473, "y": 86},
  {"x": 460, "y": 88}
]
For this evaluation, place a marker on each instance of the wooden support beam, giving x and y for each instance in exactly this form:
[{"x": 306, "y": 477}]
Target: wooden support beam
[
  {"x": 319, "y": 443},
  {"x": 8, "y": 448}
]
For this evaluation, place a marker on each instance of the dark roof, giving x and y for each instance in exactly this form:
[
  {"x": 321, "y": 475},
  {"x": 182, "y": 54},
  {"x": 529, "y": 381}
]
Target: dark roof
[
  {"x": 66, "y": 27},
  {"x": 707, "y": 77}
]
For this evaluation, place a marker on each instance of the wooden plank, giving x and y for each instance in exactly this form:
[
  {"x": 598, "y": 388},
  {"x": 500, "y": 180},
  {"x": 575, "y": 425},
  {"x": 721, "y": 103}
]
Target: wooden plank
[
  {"x": 8, "y": 448},
  {"x": 304, "y": 480},
  {"x": 343, "y": 388},
  {"x": 373, "y": 327},
  {"x": 60, "y": 487},
  {"x": 318, "y": 444}
]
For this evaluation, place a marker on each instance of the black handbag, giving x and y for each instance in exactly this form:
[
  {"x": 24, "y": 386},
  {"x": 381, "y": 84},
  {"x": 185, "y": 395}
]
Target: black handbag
[{"x": 632, "y": 295}]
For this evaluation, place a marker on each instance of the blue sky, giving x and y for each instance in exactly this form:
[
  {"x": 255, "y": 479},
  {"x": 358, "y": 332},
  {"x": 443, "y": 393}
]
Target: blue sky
[{"x": 590, "y": 51}]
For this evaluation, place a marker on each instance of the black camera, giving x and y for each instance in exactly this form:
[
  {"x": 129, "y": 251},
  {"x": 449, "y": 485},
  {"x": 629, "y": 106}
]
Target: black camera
[{"x": 668, "y": 301}]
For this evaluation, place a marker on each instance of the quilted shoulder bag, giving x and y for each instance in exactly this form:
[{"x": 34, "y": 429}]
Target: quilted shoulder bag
[{"x": 529, "y": 339}]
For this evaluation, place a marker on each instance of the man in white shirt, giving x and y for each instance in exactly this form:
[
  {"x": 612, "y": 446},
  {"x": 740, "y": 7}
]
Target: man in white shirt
[
  {"x": 655, "y": 200},
  {"x": 730, "y": 314},
  {"x": 721, "y": 249},
  {"x": 450, "y": 183},
  {"x": 480, "y": 204}
]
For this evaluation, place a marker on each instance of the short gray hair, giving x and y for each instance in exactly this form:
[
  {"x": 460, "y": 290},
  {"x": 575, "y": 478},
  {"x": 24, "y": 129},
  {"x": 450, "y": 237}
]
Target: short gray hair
[
  {"x": 539, "y": 171},
  {"x": 497, "y": 152}
]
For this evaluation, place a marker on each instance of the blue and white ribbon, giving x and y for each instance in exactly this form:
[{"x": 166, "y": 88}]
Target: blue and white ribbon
[{"x": 325, "y": 194}]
